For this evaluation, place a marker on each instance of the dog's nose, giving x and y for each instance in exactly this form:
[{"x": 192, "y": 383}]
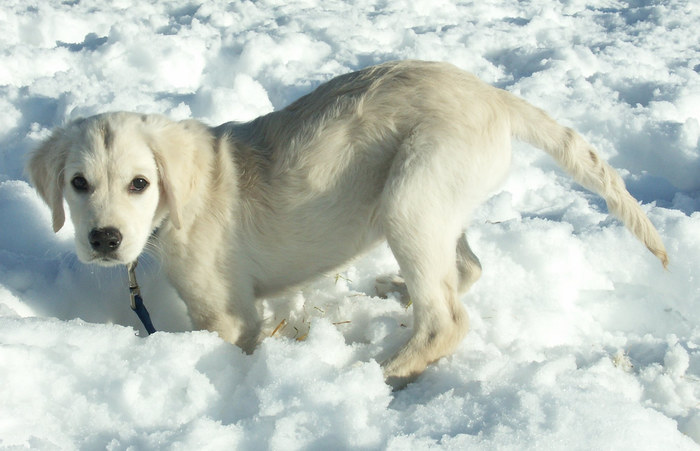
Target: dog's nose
[{"x": 105, "y": 240}]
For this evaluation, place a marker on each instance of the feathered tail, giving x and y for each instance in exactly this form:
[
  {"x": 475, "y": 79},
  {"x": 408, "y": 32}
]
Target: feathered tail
[{"x": 579, "y": 159}]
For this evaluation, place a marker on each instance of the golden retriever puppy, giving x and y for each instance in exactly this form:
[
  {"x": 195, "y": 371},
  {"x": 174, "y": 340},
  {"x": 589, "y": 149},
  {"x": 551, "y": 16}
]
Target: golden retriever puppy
[{"x": 403, "y": 151}]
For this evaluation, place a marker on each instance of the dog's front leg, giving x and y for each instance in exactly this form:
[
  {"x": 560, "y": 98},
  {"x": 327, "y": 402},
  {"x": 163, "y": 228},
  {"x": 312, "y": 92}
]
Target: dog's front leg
[
  {"x": 217, "y": 302},
  {"x": 237, "y": 321}
]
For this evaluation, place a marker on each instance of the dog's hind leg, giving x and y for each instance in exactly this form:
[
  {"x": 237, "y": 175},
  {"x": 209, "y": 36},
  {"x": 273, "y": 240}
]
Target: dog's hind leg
[
  {"x": 468, "y": 270},
  {"x": 468, "y": 265},
  {"x": 392, "y": 283},
  {"x": 423, "y": 226},
  {"x": 440, "y": 319}
]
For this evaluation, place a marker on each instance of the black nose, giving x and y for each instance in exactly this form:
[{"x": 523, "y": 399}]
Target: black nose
[{"x": 105, "y": 240}]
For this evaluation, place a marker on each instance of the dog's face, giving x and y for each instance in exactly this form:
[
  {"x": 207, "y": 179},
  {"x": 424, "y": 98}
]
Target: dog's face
[
  {"x": 113, "y": 171},
  {"x": 110, "y": 182}
]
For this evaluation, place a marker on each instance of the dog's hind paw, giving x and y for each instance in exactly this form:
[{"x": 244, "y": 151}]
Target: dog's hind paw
[{"x": 392, "y": 283}]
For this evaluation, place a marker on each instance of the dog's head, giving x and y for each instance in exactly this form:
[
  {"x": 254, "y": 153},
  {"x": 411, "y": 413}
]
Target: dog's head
[{"x": 117, "y": 172}]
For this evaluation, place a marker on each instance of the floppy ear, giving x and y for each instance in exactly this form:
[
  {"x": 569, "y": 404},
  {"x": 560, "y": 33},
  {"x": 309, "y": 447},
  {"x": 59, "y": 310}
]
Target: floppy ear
[
  {"x": 177, "y": 149},
  {"x": 45, "y": 168}
]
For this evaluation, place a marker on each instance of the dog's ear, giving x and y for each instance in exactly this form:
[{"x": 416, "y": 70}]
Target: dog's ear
[
  {"x": 45, "y": 168},
  {"x": 177, "y": 149}
]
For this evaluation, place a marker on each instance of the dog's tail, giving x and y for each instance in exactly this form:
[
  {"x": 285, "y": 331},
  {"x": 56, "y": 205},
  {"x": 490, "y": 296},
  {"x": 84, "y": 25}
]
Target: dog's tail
[{"x": 580, "y": 160}]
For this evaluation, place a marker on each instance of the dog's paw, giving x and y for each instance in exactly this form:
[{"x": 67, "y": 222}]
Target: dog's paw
[
  {"x": 398, "y": 372},
  {"x": 392, "y": 283},
  {"x": 398, "y": 383}
]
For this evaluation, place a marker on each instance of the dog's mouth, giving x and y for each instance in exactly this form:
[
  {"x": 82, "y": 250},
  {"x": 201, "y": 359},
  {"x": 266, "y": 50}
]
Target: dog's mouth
[
  {"x": 115, "y": 258},
  {"x": 106, "y": 260},
  {"x": 91, "y": 257}
]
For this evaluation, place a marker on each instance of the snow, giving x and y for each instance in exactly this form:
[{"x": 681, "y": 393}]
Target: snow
[{"x": 579, "y": 339}]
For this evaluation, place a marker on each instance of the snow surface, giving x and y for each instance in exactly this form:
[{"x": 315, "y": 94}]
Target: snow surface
[{"x": 579, "y": 339}]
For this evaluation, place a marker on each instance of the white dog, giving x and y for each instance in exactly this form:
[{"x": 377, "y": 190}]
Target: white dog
[{"x": 403, "y": 151}]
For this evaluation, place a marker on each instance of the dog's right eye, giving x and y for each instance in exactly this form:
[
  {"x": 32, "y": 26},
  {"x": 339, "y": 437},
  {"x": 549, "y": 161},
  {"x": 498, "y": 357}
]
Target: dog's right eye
[
  {"x": 79, "y": 183},
  {"x": 138, "y": 184}
]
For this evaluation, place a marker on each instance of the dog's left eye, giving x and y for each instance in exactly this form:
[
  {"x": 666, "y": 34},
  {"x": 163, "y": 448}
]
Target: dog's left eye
[
  {"x": 138, "y": 184},
  {"x": 80, "y": 183}
]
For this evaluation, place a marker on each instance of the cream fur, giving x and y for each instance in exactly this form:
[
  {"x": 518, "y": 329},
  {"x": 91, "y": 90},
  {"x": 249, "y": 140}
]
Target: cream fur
[{"x": 404, "y": 151}]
